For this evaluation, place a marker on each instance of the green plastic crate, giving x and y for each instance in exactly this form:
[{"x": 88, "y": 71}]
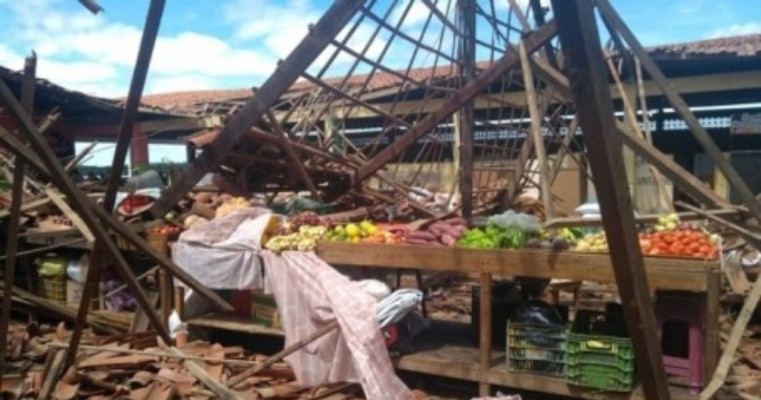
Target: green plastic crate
[
  {"x": 536, "y": 349},
  {"x": 596, "y": 360}
]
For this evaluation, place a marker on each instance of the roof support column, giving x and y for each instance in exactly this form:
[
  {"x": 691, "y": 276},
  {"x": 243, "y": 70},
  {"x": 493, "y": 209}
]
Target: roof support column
[{"x": 138, "y": 148}]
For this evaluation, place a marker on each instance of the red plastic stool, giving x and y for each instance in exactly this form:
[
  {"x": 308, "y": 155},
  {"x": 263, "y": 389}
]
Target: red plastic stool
[{"x": 686, "y": 308}]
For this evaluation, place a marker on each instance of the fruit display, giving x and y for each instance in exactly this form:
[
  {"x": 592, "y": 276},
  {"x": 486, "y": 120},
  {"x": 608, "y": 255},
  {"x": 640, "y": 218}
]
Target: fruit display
[
  {"x": 683, "y": 242},
  {"x": 293, "y": 224},
  {"x": 303, "y": 240},
  {"x": 509, "y": 230},
  {"x": 193, "y": 220},
  {"x": 364, "y": 232},
  {"x": 231, "y": 205},
  {"x": 669, "y": 237},
  {"x": 510, "y": 219},
  {"x": 445, "y": 232},
  {"x": 668, "y": 222},
  {"x": 593, "y": 243},
  {"x": 166, "y": 229},
  {"x": 133, "y": 203}
]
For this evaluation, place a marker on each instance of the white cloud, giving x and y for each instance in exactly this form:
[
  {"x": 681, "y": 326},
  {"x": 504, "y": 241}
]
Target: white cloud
[
  {"x": 96, "y": 55},
  {"x": 179, "y": 83},
  {"x": 736, "y": 29},
  {"x": 279, "y": 25},
  {"x": 10, "y": 59}
]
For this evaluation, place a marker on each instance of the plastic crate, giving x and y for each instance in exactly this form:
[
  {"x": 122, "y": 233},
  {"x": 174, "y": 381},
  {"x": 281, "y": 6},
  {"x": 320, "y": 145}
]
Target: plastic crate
[
  {"x": 597, "y": 360},
  {"x": 52, "y": 288},
  {"x": 536, "y": 349}
]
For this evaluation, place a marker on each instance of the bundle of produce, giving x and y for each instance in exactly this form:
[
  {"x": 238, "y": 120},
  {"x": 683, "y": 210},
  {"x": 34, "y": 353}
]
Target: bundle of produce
[
  {"x": 510, "y": 219},
  {"x": 555, "y": 239},
  {"x": 509, "y": 230},
  {"x": 685, "y": 241},
  {"x": 593, "y": 243},
  {"x": 445, "y": 232},
  {"x": 494, "y": 237},
  {"x": 365, "y": 232},
  {"x": 229, "y": 206},
  {"x": 304, "y": 240},
  {"x": 193, "y": 220},
  {"x": 134, "y": 204},
  {"x": 294, "y": 223}
]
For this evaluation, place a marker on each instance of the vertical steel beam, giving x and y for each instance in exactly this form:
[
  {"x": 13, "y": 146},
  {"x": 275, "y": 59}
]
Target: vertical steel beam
[{"x": 577, "y": 28}]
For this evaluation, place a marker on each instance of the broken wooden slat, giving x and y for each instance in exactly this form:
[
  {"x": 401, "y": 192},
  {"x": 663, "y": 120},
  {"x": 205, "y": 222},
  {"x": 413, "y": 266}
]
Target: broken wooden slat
[
  {"x": 51, "y": 374},
  {"x": 199, "y": 372}
]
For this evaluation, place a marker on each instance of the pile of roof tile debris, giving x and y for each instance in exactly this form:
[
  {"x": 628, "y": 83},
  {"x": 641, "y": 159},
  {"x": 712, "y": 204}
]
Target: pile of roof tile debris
[
  {"x": 138, "y": 366},
  {"x": 744, "y": 378}
]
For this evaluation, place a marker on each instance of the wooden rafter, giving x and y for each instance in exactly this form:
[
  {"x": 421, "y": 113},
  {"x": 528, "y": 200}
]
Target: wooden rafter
[{"x": 320, "y": 35}]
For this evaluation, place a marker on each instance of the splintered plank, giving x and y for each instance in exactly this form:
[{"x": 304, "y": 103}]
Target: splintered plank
[{"x": 132, "y": 361}]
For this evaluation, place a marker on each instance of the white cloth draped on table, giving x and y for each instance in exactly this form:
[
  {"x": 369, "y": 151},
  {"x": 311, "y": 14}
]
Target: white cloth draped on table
[{"x": 224, "y": 253}]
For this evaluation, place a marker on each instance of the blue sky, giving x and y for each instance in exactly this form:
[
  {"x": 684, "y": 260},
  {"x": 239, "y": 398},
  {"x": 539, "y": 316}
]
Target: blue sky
[{"x": 207, "y": 44}]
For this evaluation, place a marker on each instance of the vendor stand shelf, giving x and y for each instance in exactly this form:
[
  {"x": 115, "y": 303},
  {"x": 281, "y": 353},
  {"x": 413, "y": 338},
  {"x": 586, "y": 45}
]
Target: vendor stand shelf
[
  {"x": 233, "y": 323},
  {"x": 466, "y": 362},
  {"x": 445, "y": 350}
]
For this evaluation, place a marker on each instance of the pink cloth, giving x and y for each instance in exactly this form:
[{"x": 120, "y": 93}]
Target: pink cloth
[{"x": 310, "y": 294}]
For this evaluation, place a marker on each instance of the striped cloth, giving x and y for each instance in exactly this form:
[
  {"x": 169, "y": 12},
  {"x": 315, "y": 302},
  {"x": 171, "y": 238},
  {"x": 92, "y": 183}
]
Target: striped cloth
[{"x": 311, "y": 294}]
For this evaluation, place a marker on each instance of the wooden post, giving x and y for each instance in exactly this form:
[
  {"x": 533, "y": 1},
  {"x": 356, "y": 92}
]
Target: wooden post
[
  {"x": 167, "y": 294},
  {"x": 125, "y": 136},
  {"x": 28, "y": 84},
  {"x": 466, "y": 122},
  {"x": 484, "y": 340},
  {"x": 545, "y": 183},
  {"x": 712, "y": 327},
  {"x": 580, "y": 41}
]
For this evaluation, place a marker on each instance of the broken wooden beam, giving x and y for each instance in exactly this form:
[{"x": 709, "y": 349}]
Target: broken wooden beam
[
  {"x": 283, "y": 353},
  {"x": 197, "y": 370},
  {"x": 27, "y": 98},
  {"x": 496, "y": 71},
  {"x": 320, "y": 35},
  {"x": 114, "y": 224}
]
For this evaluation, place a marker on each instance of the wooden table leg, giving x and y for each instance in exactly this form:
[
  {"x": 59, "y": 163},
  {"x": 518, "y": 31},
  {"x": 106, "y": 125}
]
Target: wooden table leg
[
  {"x": 485, "y": 334},
  {"x": 179, "y": 301},
  {"x": 711, "y": 328},
  {"x": 167, "y": 293}
]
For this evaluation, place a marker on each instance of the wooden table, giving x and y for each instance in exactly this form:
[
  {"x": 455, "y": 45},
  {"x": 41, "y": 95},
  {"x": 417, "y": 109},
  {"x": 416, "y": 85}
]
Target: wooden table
[{"x": 481, "y": 364}]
